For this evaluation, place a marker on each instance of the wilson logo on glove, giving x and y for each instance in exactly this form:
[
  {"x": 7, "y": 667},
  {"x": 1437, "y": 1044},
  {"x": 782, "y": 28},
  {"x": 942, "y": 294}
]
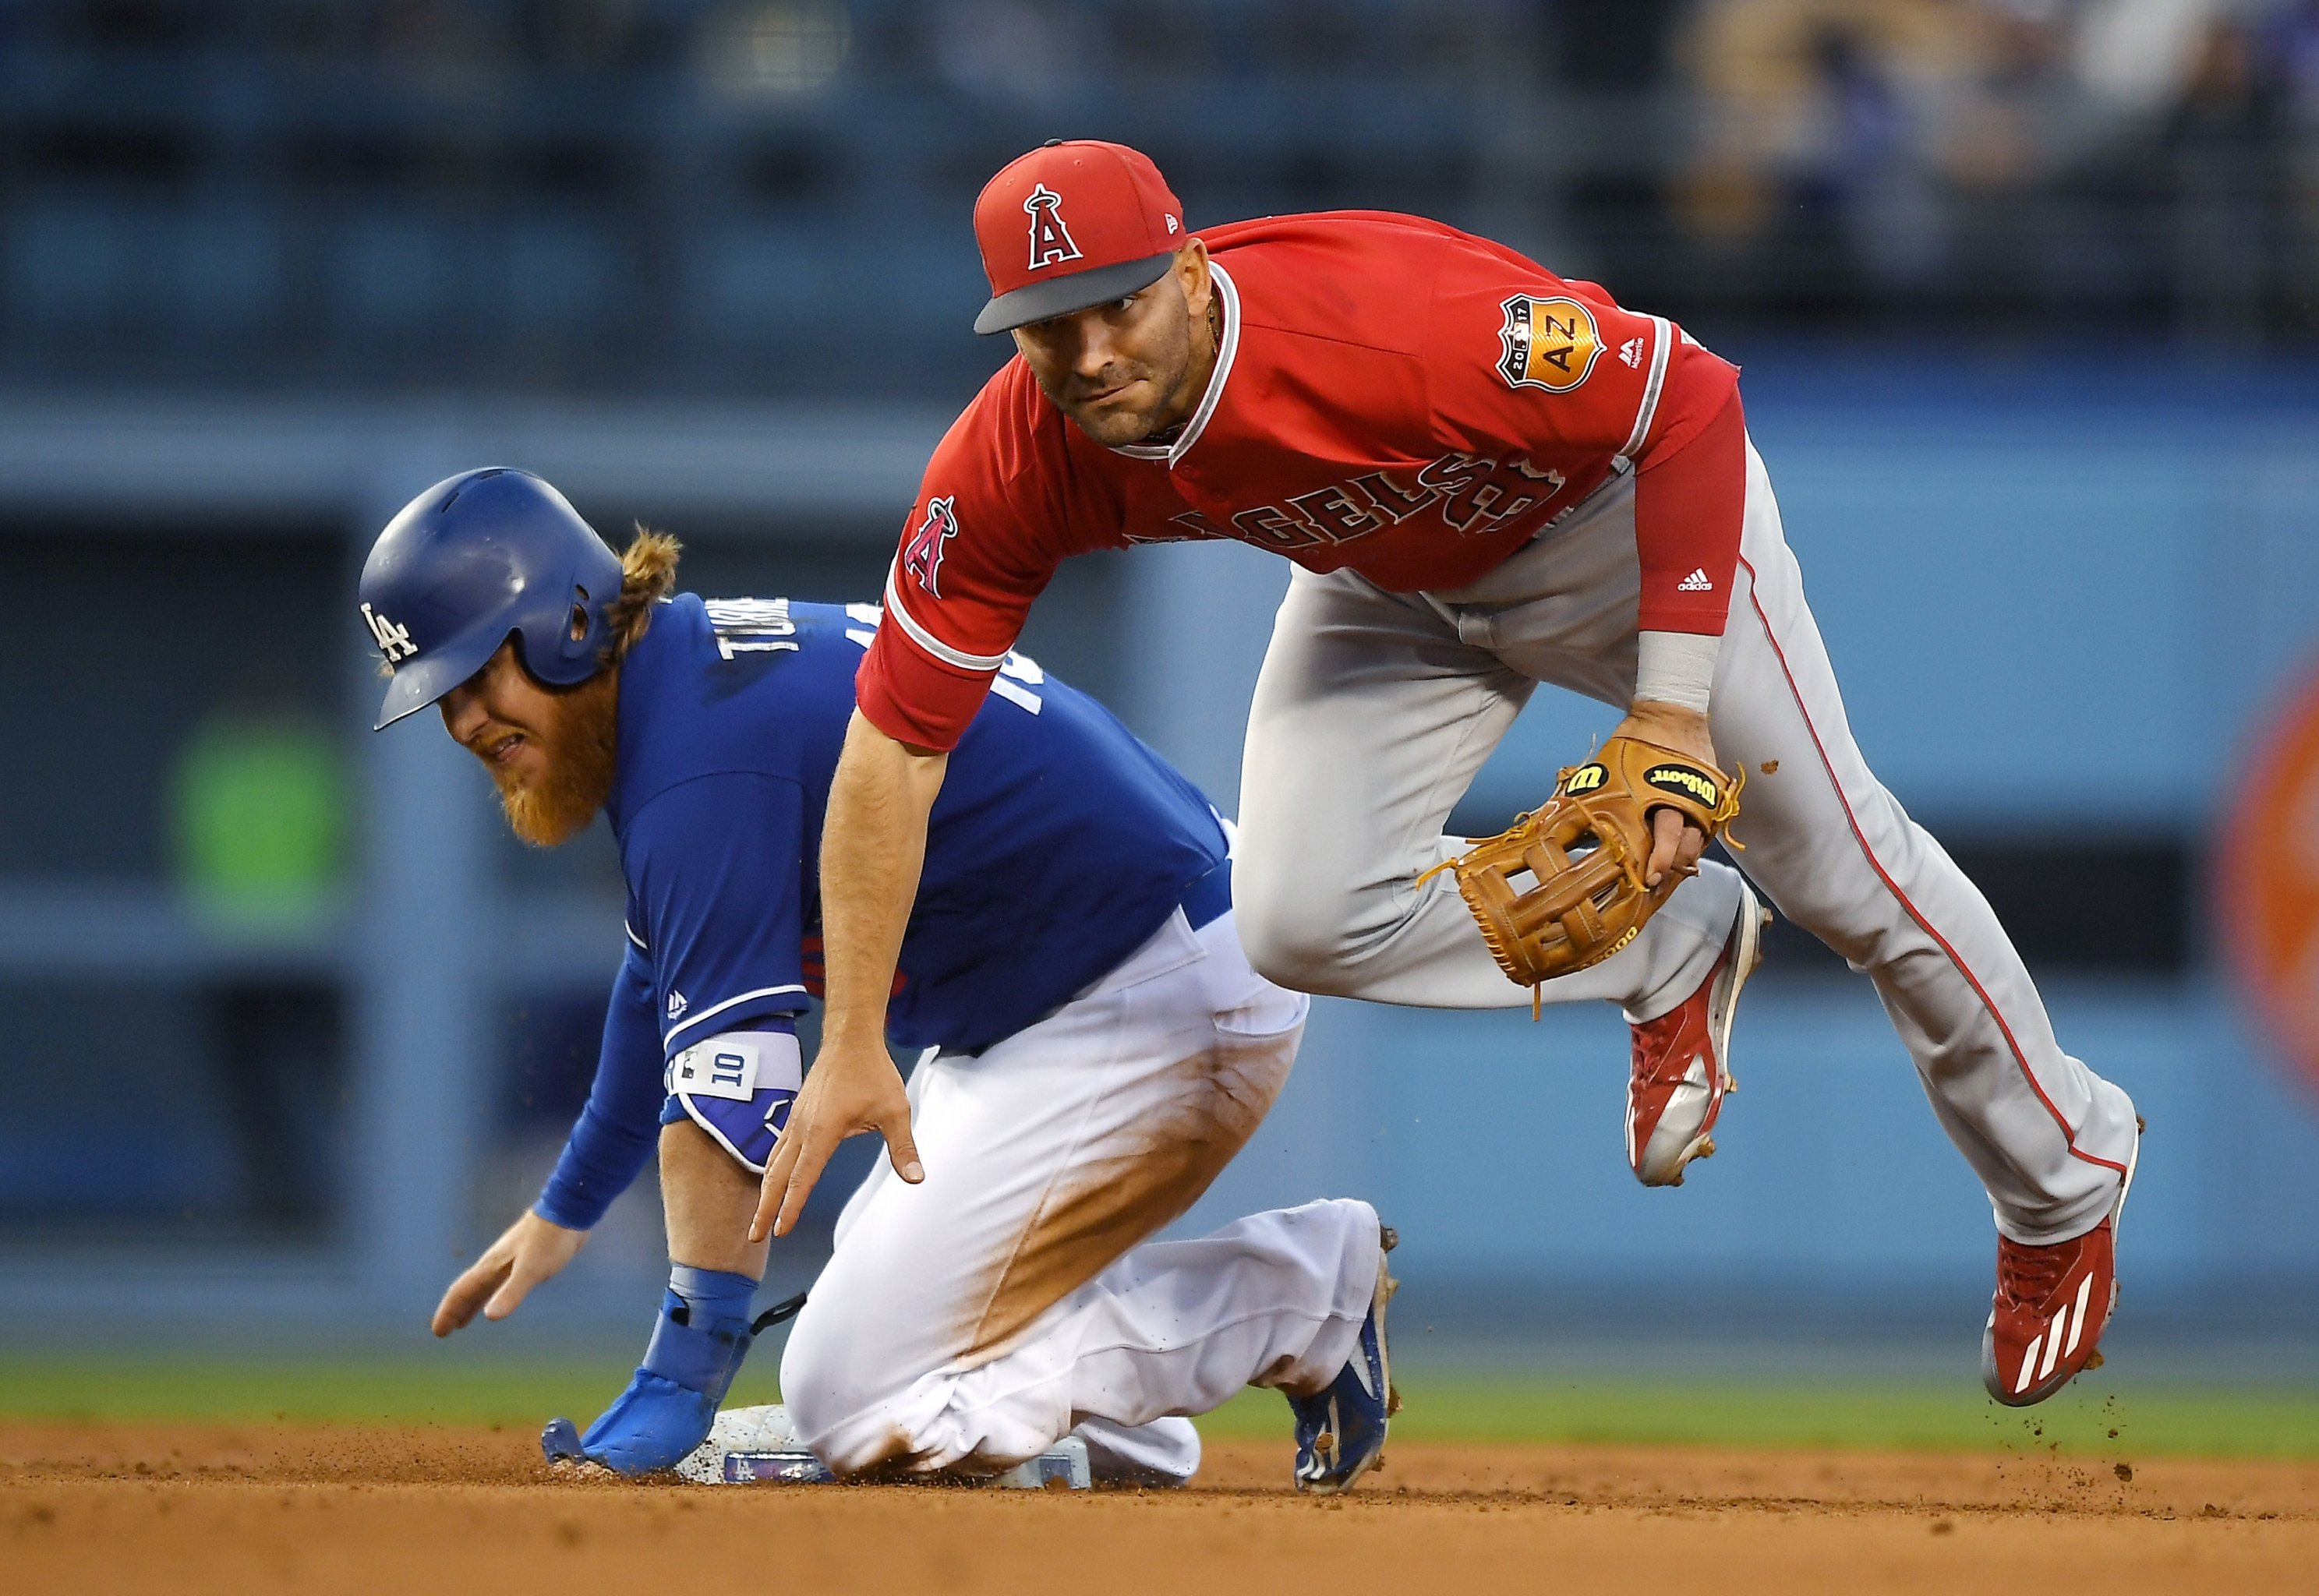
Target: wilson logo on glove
[
  {"x": 1686, "y": 780},
  {"x": 1583, "y": 857}
]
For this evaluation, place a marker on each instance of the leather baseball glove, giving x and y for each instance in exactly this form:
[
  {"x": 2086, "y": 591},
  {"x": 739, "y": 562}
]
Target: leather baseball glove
[{"x": 1563, "y": 887}]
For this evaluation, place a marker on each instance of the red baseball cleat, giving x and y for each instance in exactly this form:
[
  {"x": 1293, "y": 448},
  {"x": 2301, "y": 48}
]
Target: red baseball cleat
[
  {"x": 1682, "y": 1060},
  {"x": 2052, "y": 1304}
]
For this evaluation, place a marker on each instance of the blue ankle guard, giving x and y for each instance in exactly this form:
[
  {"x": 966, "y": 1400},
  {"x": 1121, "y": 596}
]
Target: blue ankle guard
[
  {"x": 702, "y": 1333},
  {"x": 697, "y": 1346}
]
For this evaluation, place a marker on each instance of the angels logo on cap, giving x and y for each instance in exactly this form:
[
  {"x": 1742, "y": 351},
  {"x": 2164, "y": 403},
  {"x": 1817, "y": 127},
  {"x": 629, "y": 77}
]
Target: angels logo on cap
[
  {"x": 1051, "y": 240},
  {"x": 1121, "y": 238}
]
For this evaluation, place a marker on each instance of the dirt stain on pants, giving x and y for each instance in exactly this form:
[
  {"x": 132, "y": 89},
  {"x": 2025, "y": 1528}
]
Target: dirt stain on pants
[{"x": 1137, "y": 1181}]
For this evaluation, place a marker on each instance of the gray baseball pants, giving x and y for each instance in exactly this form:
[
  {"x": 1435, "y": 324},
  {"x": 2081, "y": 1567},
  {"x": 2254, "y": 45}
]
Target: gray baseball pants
[{"x": 1375, "y": 709}]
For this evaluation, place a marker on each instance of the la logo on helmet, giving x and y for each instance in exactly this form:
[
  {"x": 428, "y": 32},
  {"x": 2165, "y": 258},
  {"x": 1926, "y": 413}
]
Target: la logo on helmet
[
  {"x": 393, "y": 641},
  {"x": 1051, "y": 240}
]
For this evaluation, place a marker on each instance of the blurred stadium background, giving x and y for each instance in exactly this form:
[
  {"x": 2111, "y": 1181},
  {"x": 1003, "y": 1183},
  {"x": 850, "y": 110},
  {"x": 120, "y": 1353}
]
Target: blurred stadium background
[{"x": 2027, "y": 294}]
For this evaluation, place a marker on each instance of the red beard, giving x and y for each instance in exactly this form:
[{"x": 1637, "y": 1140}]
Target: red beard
[{"x": 580, "y": 748}]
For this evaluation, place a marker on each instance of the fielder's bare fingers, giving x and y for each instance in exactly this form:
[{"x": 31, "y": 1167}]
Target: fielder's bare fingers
[
  {"x": 1674, "y": 841},
  {"x": 860, "y": 1096},
  {"x": 844, "y": 1095},
  {"x": 803, "y": 1145},
  {"x": 778, "y": 1168}
]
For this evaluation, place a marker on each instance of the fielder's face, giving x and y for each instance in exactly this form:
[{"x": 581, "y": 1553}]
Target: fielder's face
[
  {"x": 1133, "y": 366},
  {"x": 549, "y": 751}
]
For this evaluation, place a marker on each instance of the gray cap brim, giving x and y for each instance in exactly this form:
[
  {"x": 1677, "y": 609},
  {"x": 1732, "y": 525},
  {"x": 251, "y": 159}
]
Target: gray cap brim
[
  {"x": 1059, "y": 296},
  {"x": 420, "y": 681}
]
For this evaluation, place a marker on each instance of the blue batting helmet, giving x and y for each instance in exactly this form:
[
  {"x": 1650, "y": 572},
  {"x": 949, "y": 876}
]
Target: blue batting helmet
[{"x": 477, "y": 558}]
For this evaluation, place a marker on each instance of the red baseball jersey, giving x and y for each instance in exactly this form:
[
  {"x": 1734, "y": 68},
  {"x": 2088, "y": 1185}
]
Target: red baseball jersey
[{"x": 1390, "y": 394}]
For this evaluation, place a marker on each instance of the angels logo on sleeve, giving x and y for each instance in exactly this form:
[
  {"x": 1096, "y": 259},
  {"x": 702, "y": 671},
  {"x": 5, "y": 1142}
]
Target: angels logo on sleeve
[
  {"x": 921, "y": 556},
  {"x": 1051, "y": 240},
  {"x": 1547, "y": 343}
]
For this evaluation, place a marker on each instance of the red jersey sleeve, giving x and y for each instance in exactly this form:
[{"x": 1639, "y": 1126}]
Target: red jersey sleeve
[
  {"x": 1689, "y": 503},
  {"x": 981, "y": 541},
  {"x": 1522, "y": 360}
]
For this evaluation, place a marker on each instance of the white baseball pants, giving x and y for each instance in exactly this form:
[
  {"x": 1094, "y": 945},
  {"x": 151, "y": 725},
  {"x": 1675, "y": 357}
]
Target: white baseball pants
[
  {"x": 972, "y": 1321},
  {"x": 1375, "y": 709}
]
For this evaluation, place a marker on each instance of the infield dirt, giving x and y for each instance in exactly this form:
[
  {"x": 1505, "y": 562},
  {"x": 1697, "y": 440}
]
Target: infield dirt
[{"x": 92, "y": 1508}]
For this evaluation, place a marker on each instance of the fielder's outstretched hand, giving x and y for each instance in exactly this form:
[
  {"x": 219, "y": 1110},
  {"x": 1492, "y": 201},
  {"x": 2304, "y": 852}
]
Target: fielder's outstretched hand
[
  {"x": 848, "y": 1092},
  {"x": 528, "y": 1252}
]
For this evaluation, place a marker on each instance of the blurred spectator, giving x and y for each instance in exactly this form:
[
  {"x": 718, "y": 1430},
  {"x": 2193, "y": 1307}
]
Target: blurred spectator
[
  {"x": 550, "y": 194},
  {"x": 1834, "y": 105},
  {"x": 2289, "y": 40},
  {"x": 1897, "y": 123},
  {"x": 2137, "y": 56},
  {"x": 2220, "y": 137},
  {"x": 2287, "y": 45}
]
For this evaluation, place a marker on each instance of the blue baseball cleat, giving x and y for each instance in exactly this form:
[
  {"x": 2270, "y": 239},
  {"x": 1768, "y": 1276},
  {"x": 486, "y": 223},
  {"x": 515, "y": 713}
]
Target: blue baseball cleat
[
  {"x": 698, "y": 1343},
  {"x": 560, "y": 1442},
  {"x": 652, "y": 1426},
  {"x": 1340, "y": 1429}
]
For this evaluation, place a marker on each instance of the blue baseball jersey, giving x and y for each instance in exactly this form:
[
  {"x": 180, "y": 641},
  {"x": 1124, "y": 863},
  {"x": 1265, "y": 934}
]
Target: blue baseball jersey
[{"x": 1058, "y": 845}]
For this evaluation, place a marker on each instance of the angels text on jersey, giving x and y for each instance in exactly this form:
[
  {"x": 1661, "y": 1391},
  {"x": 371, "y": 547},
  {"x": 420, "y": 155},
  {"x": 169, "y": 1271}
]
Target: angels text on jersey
[{"x": 1472, "y": 495}]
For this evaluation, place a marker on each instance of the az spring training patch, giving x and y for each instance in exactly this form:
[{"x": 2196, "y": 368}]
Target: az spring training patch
[{"x": 1547, "y": 343}]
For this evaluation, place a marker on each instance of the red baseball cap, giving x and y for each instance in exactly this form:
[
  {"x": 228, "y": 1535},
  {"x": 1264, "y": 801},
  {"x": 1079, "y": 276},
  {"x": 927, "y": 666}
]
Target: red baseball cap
[{"x": 1073, "y": 223}]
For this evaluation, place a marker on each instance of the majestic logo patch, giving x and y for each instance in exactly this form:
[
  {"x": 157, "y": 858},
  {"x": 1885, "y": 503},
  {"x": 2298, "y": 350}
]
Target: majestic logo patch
[
  {"x": 1631, "y": 352},
  {"x": 1548, "y": 343},
  {"x": 921, "y": 556},
  {"x": 1586, "y": 778},
  {"x": 1690, "y": 783},
  {"x": 676, "y": 1004},
  {"x": 394, "y": 642},
  {"x": 1051, "y": 240}
]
